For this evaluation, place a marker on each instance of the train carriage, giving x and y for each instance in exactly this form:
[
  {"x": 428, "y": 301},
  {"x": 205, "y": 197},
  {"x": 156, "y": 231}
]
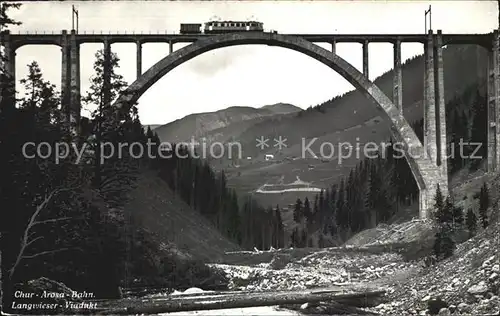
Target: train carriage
[
  {"x": 190, "y": 28},
  {"x": 217, "y": 27}
]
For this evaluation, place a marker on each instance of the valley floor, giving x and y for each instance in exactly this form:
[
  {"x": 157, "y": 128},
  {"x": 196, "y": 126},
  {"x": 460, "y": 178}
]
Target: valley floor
[
  {"x": 468, "y": 282},
  {"x": 385, "y": 258}
]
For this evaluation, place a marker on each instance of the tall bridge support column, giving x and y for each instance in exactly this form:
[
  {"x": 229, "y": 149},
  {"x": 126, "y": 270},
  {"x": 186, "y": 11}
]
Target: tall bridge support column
[
  {"x": 430, "y": 142},
  {"x": 170, "y": 47},
  {"x": 494, "y": 104},
  {"x": 334, "y": 47},
  {"x": 139, "y": 59},
  {"x": 65, "y": 76},
  {"x": 70, "y": 81},
  {"x": 8, "y": 80},
  {"x": 441, "y": 143},
  {"x": 434, "y": 124},
  {"x": 365, "y": 59},
  {"x": 75, "y": 106},
  {"x": 397, "y": 93}
]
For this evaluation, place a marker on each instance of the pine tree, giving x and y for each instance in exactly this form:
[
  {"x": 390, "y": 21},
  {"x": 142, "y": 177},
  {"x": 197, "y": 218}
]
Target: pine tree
[
  {"x": 458, "y": 217},
  {"x": 438, "y": 200},
  {"x": 115, "y": 168},
  {"x": 321, "y": 241},
  {"x": 484, "y": 203},
  {"x": 376, "y": 200},
  {"x": 395, "y": 179},
  {"x": 295, "y": 238},
  {"x": 471, "y": 222},
  {"x": 444, "y": 245},
  {"x": 372, "y": 194},
  {"x": 41, "y": 98},
  {"x": 327, "y": 208},
  {"x": 444, "y": 215},
  {"x": 303, "y": 238},
  {"x": 113, "y": 176},
  {"x": 333, "y": 210},
  {"x": 234, "y": 220},
  {"x": 298, "y": 212},
  {"x": 321, "y": 205},
  {"x": 7, "y": 83},
  {"x": 340, "y": 215},
  {"x": 310, "y": 243},
  {"x": 308, "y": 213},
  {"x": 279, "y": 229},
  {"x": 247, "y": 231}
]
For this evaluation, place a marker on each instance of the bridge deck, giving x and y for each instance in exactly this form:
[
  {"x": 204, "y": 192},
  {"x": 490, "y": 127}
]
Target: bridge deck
[{"x": 54, "y": 39}]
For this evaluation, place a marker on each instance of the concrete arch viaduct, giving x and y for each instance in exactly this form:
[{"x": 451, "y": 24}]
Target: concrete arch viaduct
[{"x": 427, "y": 162}]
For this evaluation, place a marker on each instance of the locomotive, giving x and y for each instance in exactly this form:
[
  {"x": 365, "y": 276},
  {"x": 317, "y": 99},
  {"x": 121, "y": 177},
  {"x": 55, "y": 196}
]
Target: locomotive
[{"x": 219, "y": 27}]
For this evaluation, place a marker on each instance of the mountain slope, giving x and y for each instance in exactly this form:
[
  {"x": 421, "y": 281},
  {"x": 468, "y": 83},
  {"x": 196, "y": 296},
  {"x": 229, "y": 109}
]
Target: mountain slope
[
  {"x": 282, "y": 108},
  {"x": 350, "y": 118},
  {"x": 474, "y": 284},
  {"x": 199, "y": 124},
  {"x": 172, "y": 221}
]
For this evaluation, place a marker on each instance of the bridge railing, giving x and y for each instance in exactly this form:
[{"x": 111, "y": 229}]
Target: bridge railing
[{"x": 85, "y": 32}]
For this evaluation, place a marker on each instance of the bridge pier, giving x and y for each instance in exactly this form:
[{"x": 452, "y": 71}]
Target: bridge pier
[
  {"x": 427, "y": 199},
  {"x": 334, "y": 48},
  {"x": 435, "y": 145},
  {"x": 170, "y": 47},
  {"x": 365, "y": 59},
  {"x": 65, "y": 74},
  {"x": 441, "y": 142},
  {"x": 430, "y": 141},
  {"x": 139, "y": 59},
  {"x": 8, "y": 84},
  {"x": 494, "y": 104},
  {"x": 397, "y": 94},
  {"x": 70, "y": 81},
  {"x": 75, "y": 106}
]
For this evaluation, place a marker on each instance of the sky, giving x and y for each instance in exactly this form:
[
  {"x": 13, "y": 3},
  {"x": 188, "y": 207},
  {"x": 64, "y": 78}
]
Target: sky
[{"x": 247, "y": 75}]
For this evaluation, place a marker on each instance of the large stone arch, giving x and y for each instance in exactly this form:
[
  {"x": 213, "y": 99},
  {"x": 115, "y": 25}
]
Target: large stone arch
[{"x": 426, "y": 174}]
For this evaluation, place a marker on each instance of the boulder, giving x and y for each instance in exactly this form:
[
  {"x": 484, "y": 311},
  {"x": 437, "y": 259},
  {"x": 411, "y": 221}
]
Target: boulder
[
  {"x": 462, "y": 307},
  {"x": 280, "y": 261},
  {"x": 444, "y": 312},
  {"x": 478, "y": 289}
]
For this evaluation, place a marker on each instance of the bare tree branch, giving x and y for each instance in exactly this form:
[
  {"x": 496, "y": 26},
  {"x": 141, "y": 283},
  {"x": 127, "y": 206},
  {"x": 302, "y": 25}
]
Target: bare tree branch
[
  {"x": 33, "y": 240},
  {"x": 25, "y": 241},
  {"x": 52, "y": 220},
  {"x": 45, "y": 253}
]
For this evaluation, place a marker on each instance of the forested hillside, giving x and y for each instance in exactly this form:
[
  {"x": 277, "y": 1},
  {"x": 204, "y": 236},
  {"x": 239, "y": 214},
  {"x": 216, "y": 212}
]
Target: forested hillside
[
  {"x": 377, "y": 189},
  {"x": 64, "y": 220},
  {"x": 241, "y": 220}
]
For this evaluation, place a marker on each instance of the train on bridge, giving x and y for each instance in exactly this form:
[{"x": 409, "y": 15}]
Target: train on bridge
[{"x": 219, "y": 27}]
